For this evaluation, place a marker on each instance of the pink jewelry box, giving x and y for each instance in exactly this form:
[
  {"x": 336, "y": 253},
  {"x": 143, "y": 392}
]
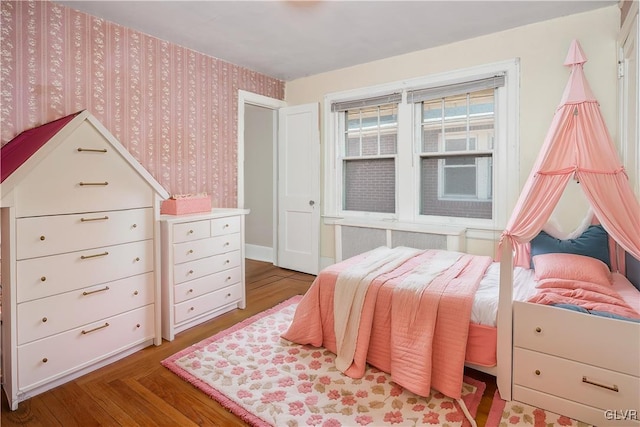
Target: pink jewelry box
[{"x": 186, "y": 204}]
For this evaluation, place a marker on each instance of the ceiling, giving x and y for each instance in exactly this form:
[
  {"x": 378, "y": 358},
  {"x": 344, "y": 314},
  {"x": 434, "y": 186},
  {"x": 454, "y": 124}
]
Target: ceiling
[{"x": 293, "y": 39}]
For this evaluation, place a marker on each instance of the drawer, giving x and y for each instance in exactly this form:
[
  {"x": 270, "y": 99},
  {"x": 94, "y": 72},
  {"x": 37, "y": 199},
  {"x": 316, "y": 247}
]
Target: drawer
[
  {"x": 85, "y": 181},
  {"x": 47, "y": 359},
  {"x": 194, "y": 288},
  {"x": 205, "y": 266},
  {"x": 48, "y": 316},
  {"x": 227, "y": 225},
  {"x": 581, "y": 383},
  {"x": 587, "y": 414},
  {"x": 189, "y": 251},
  {"x": 189, "y": 231},
  {"x": 56, "y": 274},
  {"x": 202, "y": 305},
  {"x": 608, "y": 343},
  {"x": 49, "y": 235}
]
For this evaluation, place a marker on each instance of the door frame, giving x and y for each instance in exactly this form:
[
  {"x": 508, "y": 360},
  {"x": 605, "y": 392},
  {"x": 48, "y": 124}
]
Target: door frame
[{"x": 250, "y": 98}]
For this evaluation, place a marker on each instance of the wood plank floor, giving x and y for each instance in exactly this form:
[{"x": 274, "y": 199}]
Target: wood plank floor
[{"x": 138, "y": 391}]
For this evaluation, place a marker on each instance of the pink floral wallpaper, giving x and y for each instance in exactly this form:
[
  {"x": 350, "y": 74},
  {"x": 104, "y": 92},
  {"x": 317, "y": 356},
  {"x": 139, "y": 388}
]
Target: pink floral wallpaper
[{"x": 173, "y": 108}]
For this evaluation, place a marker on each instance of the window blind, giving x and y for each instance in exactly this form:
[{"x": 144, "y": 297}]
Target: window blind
[
  {"x": 427, "y": 94},
  {"x": 392, "y": 98}
]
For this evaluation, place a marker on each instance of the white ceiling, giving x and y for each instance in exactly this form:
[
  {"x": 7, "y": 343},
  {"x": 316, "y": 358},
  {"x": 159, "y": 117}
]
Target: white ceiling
[{"x": 292, "y": 39}]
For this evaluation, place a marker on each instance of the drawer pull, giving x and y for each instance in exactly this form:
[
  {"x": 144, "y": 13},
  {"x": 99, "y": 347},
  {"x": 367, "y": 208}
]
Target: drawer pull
[
  {"x": 106, "y": 288},
  {"x": 134, "y": 225},
  {"x": 93, "y": 183},
  {"x": 228, "y": 295},
  {"x": 190, "y": 271},
  {"x": 94, "y": 219},
  {"x": 191, "y": 308},
  {"x": 608, "y": 387},
  {"x": 94, "y": 256},
  {"x": 43, "y": 279},
  {"x": 226, "y": 226},
  {"x": 42, "y": 237},
  {"x": 137, "y": 259},
  {"x": 135, "y": 292},
  {"x": 227, "y": 261},
  {"x": 226, "y": 243},
  {"x": 537, "y": 372},
  {"x": 190, "y": 291},
  {"x": 138, "y": 326},
  {"x": 538, "y": 330},
  {"x": 45, "y": 360},
  {"x": 228, "y": 277},
  {"x": 190, "y": 232},
  {"x": 93, "y": 150},
  {"x": 44, "y": 319},
  {"x": 190, "y": 251},
  {"x": 94, "y": 329}
]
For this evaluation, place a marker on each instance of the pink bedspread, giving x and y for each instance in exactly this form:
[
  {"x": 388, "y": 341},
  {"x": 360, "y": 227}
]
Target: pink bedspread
[{"x": 421, "y": 348}]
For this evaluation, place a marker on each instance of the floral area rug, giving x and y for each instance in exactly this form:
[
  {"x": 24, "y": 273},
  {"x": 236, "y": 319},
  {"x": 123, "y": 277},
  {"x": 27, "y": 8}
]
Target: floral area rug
[
  {"x": 507, "y": 414},
  {"x": 268, "y": 381}
]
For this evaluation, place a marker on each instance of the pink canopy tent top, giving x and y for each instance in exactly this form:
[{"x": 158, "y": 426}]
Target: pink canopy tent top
[
  {"x": 577, "y": 145},
  {"x": 15, "y": 152}
]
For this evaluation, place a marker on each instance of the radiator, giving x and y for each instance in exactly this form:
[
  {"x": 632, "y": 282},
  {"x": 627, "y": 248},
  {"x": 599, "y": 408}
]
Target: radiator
[{"x": 353, "y": 238}]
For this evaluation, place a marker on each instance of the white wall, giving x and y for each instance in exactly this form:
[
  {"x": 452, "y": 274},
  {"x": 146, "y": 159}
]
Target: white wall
[{"x": 542, "y": 49}]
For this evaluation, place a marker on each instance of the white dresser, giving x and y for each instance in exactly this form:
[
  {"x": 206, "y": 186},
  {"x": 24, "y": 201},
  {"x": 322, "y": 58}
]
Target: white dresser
[
  {"x": 202, "y": 267},
  {"x": 579, "y": 365},
  {"x": 80, "y": 252}
]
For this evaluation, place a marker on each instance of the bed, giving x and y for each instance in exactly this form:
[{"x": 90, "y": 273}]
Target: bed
[{"x": 438, "y": 332}]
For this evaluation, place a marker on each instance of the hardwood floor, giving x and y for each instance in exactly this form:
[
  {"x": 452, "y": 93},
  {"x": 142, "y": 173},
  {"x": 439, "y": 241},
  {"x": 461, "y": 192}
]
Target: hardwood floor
[{"x": 138, "y": 391}]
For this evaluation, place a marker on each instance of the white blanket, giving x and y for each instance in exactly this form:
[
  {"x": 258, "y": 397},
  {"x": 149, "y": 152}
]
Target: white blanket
[{"x": 350, "y": 290}]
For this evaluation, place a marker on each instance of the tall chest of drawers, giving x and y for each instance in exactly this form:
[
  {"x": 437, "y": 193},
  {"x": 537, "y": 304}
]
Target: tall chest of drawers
[
  {"x": 203, "y": 273},
  {"x": 80, "y": 249},
  {"x": 583, "y": 366}
]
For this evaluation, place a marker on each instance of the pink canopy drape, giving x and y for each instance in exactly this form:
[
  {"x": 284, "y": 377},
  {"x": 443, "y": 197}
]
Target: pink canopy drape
[{"x": 578, "y": 145}]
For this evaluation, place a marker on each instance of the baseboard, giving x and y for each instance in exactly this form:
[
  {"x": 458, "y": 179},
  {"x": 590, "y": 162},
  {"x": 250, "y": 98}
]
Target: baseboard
[{"x": 258, "y": 253}]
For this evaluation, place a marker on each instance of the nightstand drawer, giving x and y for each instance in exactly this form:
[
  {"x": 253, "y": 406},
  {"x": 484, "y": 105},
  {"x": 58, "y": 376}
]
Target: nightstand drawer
[
  {"x": 203, "y": 267},
  {"x": 554, "y": 331},
  {"x": 194, "y": 288},
  {"x": 228, "y": 225},
  {"x": 578, "y": 382},
  {"x": 189, "y": 231},
  {"x": 190, "y": 251},
  {"x": 207, "y": 303}
]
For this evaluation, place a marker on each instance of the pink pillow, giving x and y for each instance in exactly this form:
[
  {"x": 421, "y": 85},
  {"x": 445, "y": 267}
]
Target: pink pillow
[{"x": 571, "y": 267}]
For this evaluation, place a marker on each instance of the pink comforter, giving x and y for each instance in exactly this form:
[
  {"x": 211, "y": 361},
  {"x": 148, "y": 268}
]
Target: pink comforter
[
  {"x": 590, "y": 296},
  {"x": 422, "y": 348}
]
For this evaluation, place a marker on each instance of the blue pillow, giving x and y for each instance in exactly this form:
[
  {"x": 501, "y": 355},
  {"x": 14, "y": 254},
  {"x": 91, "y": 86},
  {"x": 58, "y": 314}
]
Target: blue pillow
[{"x": 593, "y": 242}]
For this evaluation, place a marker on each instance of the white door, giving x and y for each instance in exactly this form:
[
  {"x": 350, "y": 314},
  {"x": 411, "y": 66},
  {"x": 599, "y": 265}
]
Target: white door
[
  {"x": 299, "y": 188},
  {"x": 629, "y": 122}
]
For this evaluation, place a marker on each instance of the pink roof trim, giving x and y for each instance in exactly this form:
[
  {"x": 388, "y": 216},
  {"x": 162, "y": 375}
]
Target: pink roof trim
[{"x": 17, "y": 151}]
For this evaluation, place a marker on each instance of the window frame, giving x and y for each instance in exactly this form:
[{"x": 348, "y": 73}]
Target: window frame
[{"x": 505, "y": 151}]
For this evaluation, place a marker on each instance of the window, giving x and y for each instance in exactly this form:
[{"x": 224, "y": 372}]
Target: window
[
  {"x": 369, "y": 160},
  {"x": 456, "y": 136},
  {"x": 436, "y": 150}
]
